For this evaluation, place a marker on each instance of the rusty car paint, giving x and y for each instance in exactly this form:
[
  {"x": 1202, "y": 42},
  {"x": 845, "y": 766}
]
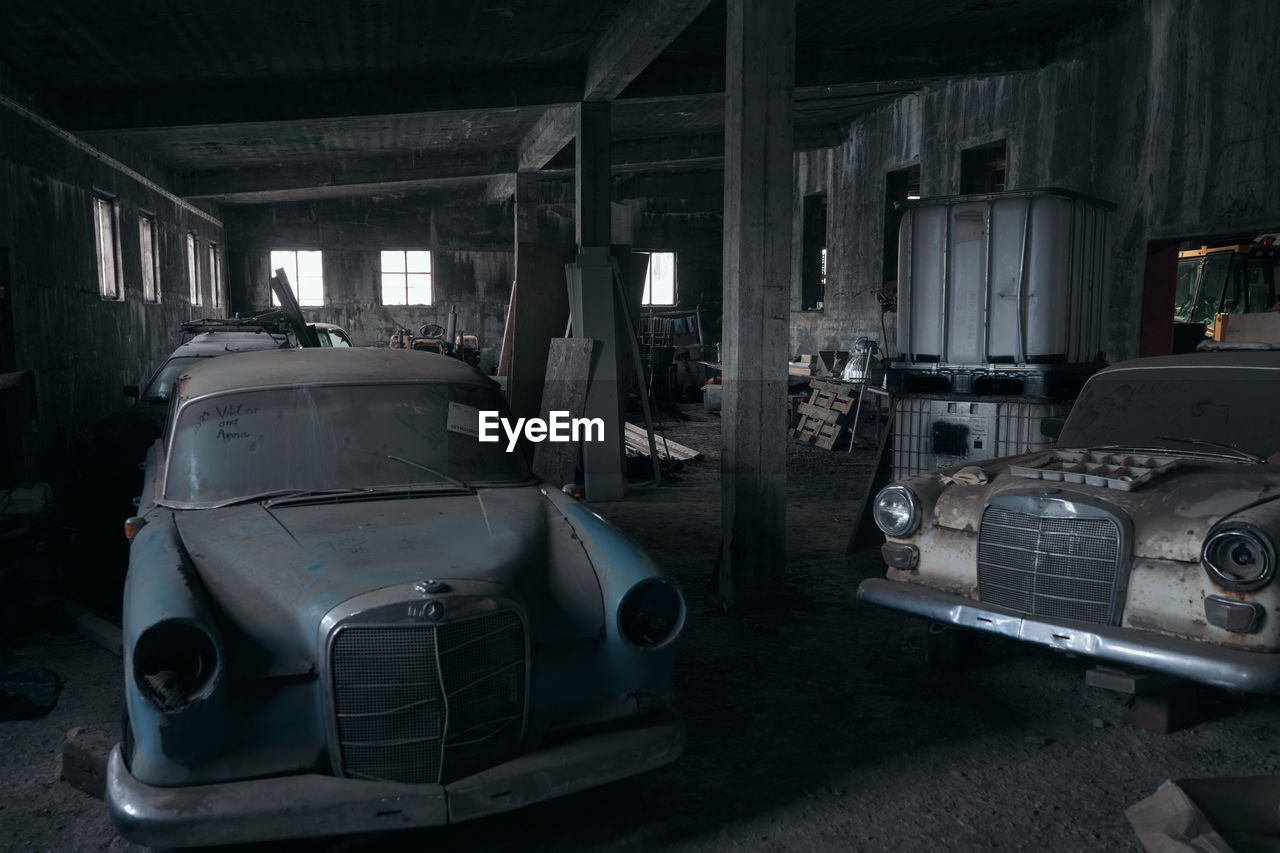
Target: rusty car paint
[{"x": 1168, "y": 598}]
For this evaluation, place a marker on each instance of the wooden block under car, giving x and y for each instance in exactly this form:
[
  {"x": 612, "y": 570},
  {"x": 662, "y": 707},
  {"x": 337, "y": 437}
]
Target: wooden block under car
[
  {"x": 1132, "y": 682},
  {"x": 1166, "y": 709},
  {"x": 83, "y": 762}
]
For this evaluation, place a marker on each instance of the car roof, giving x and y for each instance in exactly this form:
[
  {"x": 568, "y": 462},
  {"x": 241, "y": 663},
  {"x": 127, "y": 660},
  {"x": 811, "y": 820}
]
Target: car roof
[
  {"x": 224, "y": 343},
  {"x": 323, "y": 366},
  {"x": 1253, "y": 359}
]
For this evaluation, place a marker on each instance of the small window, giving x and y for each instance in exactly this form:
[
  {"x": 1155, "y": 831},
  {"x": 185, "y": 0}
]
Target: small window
[
  {"x": 108, "y": 248},
  {"x": 660, "y": 279},
  {"x": 215, "y": 280},
  {"x": 982, "y": 169},
  {"x": 406, "y": 277},
  {"x": 304, "y": 270},
  {"x": 193, "y": 279},
  {"x": 150, "y": 263},
  {"x": 813, "y": 261}
]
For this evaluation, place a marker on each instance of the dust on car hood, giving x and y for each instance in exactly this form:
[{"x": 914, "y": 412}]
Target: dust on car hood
[
  {"x": 1171, "y": 514},
  {"x": 273, "y": 572}
]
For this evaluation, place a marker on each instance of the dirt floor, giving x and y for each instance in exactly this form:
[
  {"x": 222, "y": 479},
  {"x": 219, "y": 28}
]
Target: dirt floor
[{"x": 814, "y": 723}]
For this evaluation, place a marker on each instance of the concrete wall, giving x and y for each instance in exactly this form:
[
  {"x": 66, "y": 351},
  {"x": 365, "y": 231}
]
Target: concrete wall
[
  {"x": 82, "y": 347},
  {"x": 470, "y": 241},
  {"x": 853, "y": 177},
  {"x": 680, "y": 212},
  {"x": 1166, "y": 109}
]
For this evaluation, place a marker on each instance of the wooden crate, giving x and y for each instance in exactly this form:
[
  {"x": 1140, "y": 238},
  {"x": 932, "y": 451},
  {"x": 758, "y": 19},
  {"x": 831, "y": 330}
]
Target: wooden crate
[{"x": 824, "y": 415}]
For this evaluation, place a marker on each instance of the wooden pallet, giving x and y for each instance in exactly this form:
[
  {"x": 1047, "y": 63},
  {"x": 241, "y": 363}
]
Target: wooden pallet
[{"x": 824, "y": 416}]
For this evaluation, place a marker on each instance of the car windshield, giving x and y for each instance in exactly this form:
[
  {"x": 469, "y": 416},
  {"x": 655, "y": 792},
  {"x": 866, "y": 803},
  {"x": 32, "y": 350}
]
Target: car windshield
[
  {"x": 331, "y": 338},
  {"x": 316, "y": 438},
  {"x": 1139, "y": 409},
  {"x": 161, "y": 386}
]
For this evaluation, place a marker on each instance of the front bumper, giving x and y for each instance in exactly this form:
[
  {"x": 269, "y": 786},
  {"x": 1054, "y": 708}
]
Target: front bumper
[
  {"x": 1234, "y": 669},
  {"x": 313, "y": 805}
]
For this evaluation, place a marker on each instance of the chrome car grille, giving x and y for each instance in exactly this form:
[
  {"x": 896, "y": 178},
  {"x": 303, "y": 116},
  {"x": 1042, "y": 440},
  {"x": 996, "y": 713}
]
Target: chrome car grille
[
  {"x": 1053, "y": 566},
  {"x": 428, "y": 703}
]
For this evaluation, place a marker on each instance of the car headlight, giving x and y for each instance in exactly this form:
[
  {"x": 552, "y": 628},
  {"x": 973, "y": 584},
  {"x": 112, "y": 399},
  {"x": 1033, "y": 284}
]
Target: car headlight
[
  {"x": 175, "y": 663},
  {"x": 897, "y": 511},
  {"x": 1239, "y": 559},
  {"x": 651, "y": 613}
]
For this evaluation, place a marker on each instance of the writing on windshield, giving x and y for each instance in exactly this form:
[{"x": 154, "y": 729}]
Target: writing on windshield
[
  {"x": 331, "y": 437},
  {"x": 1136, "y": 410}
]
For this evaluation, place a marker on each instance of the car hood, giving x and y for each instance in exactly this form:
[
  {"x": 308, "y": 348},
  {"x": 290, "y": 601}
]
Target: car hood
[
  {"x": 273, "y": 572},
  {"x": 1171, "y": 514}
]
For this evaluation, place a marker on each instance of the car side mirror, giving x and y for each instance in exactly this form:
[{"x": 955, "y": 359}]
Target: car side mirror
[
  {"x": 1052, "y": 427},
  {"x": 132, "y": 391}
]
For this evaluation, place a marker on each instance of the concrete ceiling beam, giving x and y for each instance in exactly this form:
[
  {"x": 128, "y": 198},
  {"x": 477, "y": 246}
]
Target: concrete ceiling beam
[
  {"x": 548, "y": 137},
  {"x": 381, "y": 171},
  {"x": 627, "y": 47},
  {"x": 633, "y": 41},
  {"x": 198, "y": 106}
]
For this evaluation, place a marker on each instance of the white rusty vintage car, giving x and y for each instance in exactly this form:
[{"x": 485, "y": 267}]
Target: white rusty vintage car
[
  {"x": 346, "y": 613},
  {"x": 1146, "y": 538}
]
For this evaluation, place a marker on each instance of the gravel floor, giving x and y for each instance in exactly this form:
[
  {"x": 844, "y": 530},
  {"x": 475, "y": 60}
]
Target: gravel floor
[{"x": 813, "y": 724}]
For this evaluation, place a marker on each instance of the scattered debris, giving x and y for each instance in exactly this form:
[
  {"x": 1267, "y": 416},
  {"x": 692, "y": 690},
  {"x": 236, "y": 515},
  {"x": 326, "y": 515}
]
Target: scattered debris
[
  {"x": 1209, "y": 815},
  {"x": 94, "y": 628},
  {"x": 668, "y": 451},
  {"x": 83, "y": 761}
]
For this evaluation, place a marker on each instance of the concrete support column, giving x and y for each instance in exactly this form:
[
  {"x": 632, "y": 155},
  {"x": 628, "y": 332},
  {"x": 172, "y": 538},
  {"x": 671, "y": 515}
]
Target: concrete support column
[
  {"x": 524, "y": 205},
  {"x": 593, "y": 305},
  {"x": 758, "y": 204}
]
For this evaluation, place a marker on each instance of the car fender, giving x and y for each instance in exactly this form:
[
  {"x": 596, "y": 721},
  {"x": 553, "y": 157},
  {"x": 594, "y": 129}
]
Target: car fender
[
  {"x": 630, "y": 676},
  {"x": 162, "y": 586}
]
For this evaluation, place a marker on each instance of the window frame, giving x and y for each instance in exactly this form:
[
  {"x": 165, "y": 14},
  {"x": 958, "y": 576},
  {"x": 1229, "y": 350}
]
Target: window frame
[
  {"x": 149, "y": 257},
  {"x": 984, "y": 168},
  {"x": 106, "y": 218},
  {"x": 295, "y": 283},
  {"x": 648, "y": 278},
  {"x": 195, "y": 291},
  {"x": 813, "y": 263},
  {"x": 215, "y": 289},
  {"x": 383, "y": 275}
]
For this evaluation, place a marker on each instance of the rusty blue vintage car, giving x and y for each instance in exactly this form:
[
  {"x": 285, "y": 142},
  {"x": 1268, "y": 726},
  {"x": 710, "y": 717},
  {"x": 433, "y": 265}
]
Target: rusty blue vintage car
[{"x": 345, "y": 613}]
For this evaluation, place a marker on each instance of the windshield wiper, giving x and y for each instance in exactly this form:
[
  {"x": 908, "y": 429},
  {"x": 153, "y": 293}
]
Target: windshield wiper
[
  {"x": 362, "y": 493},
  {"x": 256, "y": 496},
  {"x": 442, "y": 475},
  {"x": 1220, "y": 445}
]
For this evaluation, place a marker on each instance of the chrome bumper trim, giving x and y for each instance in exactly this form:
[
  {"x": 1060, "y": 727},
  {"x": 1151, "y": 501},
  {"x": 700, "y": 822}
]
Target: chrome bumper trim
[
  {"x": 312, "y": 805},
  {"x": 1234, "y": 669}
]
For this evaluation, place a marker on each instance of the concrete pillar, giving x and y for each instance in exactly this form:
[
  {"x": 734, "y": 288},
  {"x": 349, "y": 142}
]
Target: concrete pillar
[
  {"x": 758, "y": 204},
  {"x": 593, "y": 304}
]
